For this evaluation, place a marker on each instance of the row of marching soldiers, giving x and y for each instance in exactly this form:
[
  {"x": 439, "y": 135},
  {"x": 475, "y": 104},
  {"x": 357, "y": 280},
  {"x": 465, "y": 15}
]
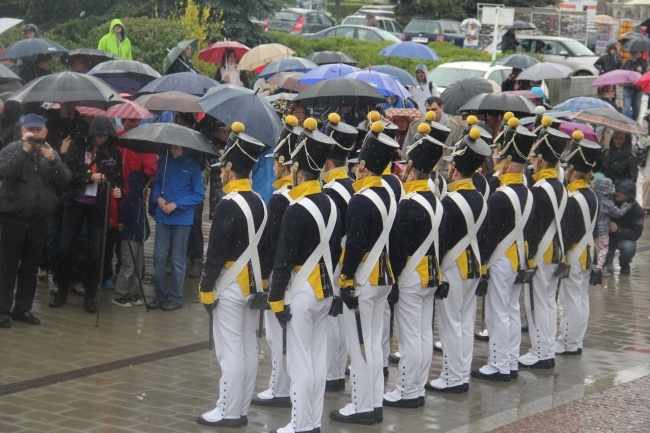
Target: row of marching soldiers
[{"x": 321, "y": 260}]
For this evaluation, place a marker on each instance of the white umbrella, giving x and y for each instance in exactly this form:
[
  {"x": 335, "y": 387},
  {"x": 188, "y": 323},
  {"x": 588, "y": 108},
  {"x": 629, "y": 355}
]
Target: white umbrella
[
  {"x": 467, "y": 22},
  {"x": 638, "y": 3}
]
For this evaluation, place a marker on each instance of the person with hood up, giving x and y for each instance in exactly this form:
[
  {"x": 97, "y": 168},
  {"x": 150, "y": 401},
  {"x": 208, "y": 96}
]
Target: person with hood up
[
  {"x": 619, "y": 162},
  {"x": 624, "y": 232},
  {"x": 177, "y": 190},
  {"x": 428, "y": 87},
  {"x": 40, "y": 67},
  {"x": 610, "y": 60},
  {"x": 115, "y": 41},
  {"x": 94, "y": 162},
  {"x": 31, "y": 31},
  {"x": 9, "y": 123}
]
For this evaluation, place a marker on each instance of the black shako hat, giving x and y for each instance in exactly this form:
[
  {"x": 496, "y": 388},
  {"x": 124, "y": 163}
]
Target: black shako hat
[
  {"x": 345, "y": 136},
  {"x": 425, "y": 151},
  {"x": 550, "y": 142},
  {"x": 517, "y": 142},
  {"x": 377, "y": 150},
  {"x": 287, "y": 140},
  {"x": 471, "y": 153},
  {"x": 312, "y": 149},
  {"x": 438, "y": 131},
  {"x": 584, "y": 154},
  {"x": 242, "y": 150}
]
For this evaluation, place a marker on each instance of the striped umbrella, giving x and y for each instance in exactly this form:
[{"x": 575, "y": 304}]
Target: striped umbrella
[
  {"x": 129, "y": 110},
  {"x": 608, "y": 118},
  {"x": 90, "y": 111}
]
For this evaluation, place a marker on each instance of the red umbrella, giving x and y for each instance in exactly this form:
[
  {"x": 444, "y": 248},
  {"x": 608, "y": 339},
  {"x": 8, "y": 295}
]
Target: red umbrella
[
  {"x": 213, "y": 53},
  {"x": 90, "y": 111},
  {"x": 129, "y": 110},
  {"x": 644, "y": 82}
]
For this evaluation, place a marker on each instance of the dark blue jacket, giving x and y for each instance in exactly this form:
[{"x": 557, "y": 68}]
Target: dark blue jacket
[{"x": 133, "y": 215}]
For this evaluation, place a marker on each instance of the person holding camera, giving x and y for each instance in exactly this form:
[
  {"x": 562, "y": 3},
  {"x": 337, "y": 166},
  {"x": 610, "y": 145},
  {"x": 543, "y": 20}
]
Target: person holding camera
[
  {"x": 30, "y": 174},
  {"x": 95, "y": 164}
]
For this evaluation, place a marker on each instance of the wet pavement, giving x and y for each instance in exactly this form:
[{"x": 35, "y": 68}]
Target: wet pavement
[{"x": 152, "y": 372}]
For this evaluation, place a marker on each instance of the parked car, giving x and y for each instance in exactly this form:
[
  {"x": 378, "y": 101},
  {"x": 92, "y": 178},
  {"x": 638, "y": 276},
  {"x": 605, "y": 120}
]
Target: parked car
[
  {"x": 298, "y": 21},
  {"x": 363, "y": 33},
  {"x": 425, "y": 31},
  {"x": 449, "y": 73},
  {"x": 384, "y": 23},
  {"x": 377, "y": 10},
  {"x": 556, "y": 49}
]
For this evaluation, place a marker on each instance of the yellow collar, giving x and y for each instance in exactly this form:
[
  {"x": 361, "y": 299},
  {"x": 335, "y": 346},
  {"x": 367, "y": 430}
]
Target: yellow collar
[
  {"x": 545, "y": 173},
  {"x": 238, "y": 185},
  {"x": 305, "y": 188},
  {"x": 335, "y": 173},
  {"x": 512, "y": 179},
  {"x": 386, "y": 170},
  {"x": 463, "y": 184},
  {"x": 421, "y": 185},
  {"x": 577, "y": 184},
  {"x": 283, "y": 181},
  {"x": 367, "y": 182}
]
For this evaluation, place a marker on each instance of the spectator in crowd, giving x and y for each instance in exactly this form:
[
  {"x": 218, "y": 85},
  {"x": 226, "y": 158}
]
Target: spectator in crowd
[
  {"x": 217, "y": 132},
  {"x": 509, "y": 83},
  {"x": 644, "y": 165},
  {"x": 183, "y": 62},
  {"x": 115, "y": 41},
  {"x": 228, "y": 72},
  {"x": 610, "y": 60},
  {"x": 41, "y": 67},
  {"x": 471, "y": 37},
  {"x": 371, "y": 20},
  {"x": 94, "y": 162},
  {"x": 619, "y": 161},
  {"x": 422, "y": 77},
  {"x": 631, "y": 93},
  {"x": 10, "y": 124},
  {"x": 608, "y": 94},
  {"x": 81, "y": 64},
  {"x": 177, "y": 190},
  {"x": 31, "y": 31},
  {"x": 134, "y": 231},
  {"x": 509, "y": 42},
  {"x": 300, "y": 111},
  {"x": 31, "y": 173},
  {"x": 625, "y": 231}
]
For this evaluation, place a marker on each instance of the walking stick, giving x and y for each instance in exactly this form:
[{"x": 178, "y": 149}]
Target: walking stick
[
  {"x": 105, "y": 234},
  {"x": 137, "y": 274}
]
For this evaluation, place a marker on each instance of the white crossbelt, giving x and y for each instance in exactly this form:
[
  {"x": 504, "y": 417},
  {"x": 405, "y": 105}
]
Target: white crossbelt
[
  {"x": 322, "y": 250},
  {"x": 249, "y": 254},
  {"x": 472, "y": 229},
  {"x": 517, "y": 233},
  {"x": 588, "y": 238},
  {"x": 345, "y": 195},
  {"x": 555, "y": 226},
  {"x": 432, "y": 237}
]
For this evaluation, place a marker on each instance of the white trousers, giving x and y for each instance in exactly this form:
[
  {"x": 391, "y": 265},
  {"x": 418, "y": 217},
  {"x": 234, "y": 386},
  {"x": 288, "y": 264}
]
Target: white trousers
[
  {"x": 307, "y": 357},
  {"x": 542, "y": 322},
  {"x": 574, "y": 296},
  {"x": 413, "y": 316},
  {"x": 279, "y": 381},
  {"x": 367, "y": 377},
  {"x": 337, "y": 353},
  {"x": 234, "y": 340},
  {"x": 385, "y": 335},
  {"x": 456, "y": 315},
  {"x": 502, "y": 317}
]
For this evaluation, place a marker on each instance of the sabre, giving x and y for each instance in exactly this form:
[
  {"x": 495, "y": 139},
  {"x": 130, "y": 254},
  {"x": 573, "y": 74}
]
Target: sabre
[
  {"x": 284, "y": 347},
  {"x": 362, "y": 346}
]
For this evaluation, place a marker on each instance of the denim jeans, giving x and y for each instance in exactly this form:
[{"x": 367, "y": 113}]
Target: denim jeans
[
  {"x": 631, "y": 102},
  {"x": 170, "y": 243}
]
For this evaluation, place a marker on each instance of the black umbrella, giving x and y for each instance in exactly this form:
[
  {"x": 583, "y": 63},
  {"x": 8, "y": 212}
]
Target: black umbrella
[
  {"x": 641, "y": 44},
  {"x": 521, "y": 25},
  {"x": 340, "y": 92},
  {"x": 157, "y": 137},
  {"x": 461, "y": 91},
  {"x": 126, "y": 76},
  {"x": 499, "y": 102},
  {"x": 517, "y": 61},
  {"x": 28, "y": 48},
  {"x": 7, "y": 74},
  {"x": 68, "y": 87},
  {"x": 94, "y": 56},
  {"x": 174, "y": 53},
  {"x": 131, "y": 66},
  {"x": 186, "y": 82},
  {"x": 330, "y": 57}
]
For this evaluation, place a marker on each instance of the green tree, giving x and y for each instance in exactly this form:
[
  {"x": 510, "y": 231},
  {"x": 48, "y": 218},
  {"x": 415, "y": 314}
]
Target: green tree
[
  {"x": 430, "y": 9},
  {"x": 236, "y": 17}
]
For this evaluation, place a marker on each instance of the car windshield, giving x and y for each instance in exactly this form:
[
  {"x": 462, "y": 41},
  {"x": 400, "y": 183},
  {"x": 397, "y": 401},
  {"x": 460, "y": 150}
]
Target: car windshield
[
  {"x": 423, "y": 27},
  {"x": 286, "y": 16},
  {"x": 577, "y": 49},
  {"x": 356, "y": 21},
  {"x": 443, "y": 77}
]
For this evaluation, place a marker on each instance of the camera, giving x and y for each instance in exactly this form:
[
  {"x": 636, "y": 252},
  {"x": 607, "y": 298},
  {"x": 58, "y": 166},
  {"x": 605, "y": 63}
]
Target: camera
[
  {"x": 34, "y": 141},
  {"x": 108, "y": 167}
]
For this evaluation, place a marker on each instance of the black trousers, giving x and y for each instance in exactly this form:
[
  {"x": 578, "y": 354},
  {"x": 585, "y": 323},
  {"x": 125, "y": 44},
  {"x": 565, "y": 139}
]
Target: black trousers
[
  {"x": 73, "y": 218},
  {"x": 195, "y": 241},
  {"x": 20, "y": 252}
]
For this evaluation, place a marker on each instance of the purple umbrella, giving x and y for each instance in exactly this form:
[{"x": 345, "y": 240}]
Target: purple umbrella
[
  {"x": 568, "y": 128},
  {"x": 619, "y": 76}
]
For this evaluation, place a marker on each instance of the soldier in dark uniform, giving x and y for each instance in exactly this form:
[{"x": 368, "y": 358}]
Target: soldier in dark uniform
[
  {"x": 338, "y": 186},
  {"x": 277, "y": 395},
  {"x": 503, "y": 252},
  {"x": 414, "y": 255},
  {"x": 465, "y": 211},
  {"x": 366, "y": 278},
  {"x": 231, "y": 275},
  {"x": 579, "y": 222},
  {"x": 545, "y": 246},
  {"x": 301, "y": 288}
]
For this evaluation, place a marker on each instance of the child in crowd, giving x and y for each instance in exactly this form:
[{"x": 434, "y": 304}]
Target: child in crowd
[{"x": 607, "y": 209}]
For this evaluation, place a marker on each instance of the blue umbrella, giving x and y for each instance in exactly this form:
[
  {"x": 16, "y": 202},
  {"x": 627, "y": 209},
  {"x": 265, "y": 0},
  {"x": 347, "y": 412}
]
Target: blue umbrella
[
  {"x": 325, "y": 72},
  {"x": 385, "y": 84},
  {"x": 410, "y": 50},
  {"x": 402, "y": 76},
  {"x": 232, "y": 103},
  {"x": 582, "y": 103},
  {"x": 186, "y": 82},
  {"x": 288, "y": 64}
]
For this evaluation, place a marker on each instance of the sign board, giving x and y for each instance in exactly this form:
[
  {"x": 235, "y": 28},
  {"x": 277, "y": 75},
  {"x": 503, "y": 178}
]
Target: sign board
[{"x": 506, "y": 16}]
